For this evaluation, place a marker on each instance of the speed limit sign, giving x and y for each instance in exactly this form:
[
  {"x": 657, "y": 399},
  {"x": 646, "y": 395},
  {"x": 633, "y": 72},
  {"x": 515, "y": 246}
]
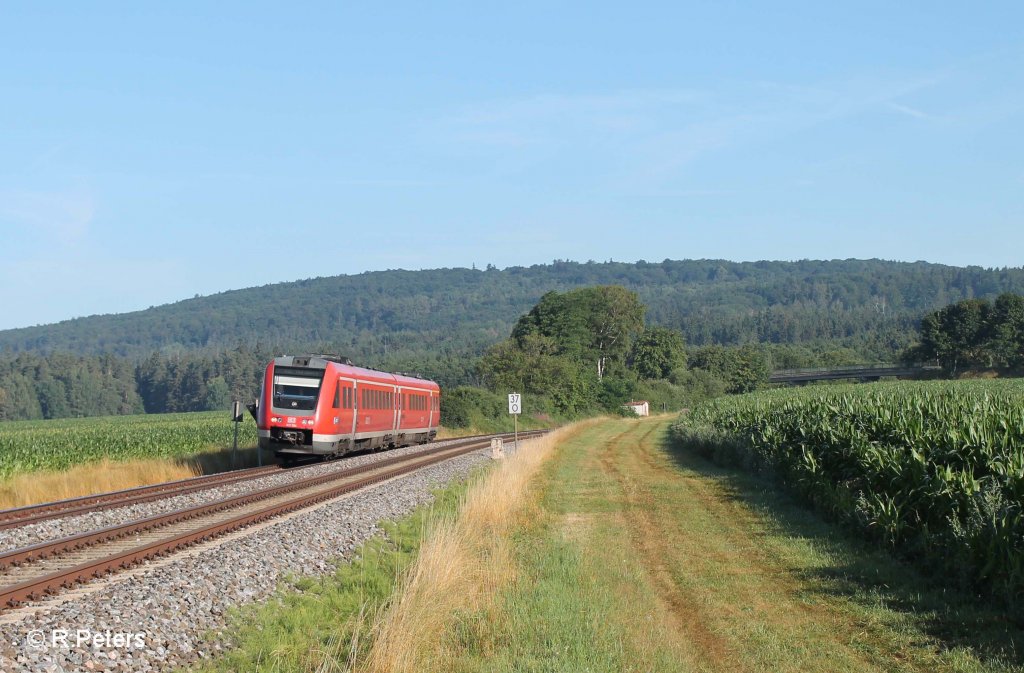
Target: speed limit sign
[{"x": 515, "y": 403}]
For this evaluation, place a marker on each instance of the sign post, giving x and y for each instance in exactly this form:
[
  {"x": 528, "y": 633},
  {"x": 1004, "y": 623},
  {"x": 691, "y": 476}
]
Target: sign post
[
  {"x": 515, "y": 407},
  {"x": 236, "y": 418}
]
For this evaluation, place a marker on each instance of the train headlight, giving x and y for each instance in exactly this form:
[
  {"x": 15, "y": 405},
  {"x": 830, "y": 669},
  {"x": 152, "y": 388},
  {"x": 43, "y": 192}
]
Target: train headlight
[{"x": 275, "y": 419}]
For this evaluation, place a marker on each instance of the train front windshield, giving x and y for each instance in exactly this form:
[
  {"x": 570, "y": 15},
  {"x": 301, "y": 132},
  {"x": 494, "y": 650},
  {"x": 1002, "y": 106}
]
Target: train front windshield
[{"x": 296, "y": 393}]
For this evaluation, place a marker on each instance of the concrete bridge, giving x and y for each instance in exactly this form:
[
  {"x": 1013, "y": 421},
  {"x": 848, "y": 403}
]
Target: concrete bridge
[{"x": 859, "y": 372}]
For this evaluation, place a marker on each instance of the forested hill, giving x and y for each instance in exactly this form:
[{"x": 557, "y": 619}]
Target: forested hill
[{"x": 871, "y": 305}]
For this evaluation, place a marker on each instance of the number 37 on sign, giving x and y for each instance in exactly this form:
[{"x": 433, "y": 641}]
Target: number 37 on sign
[{"x": 515, "y": 403}]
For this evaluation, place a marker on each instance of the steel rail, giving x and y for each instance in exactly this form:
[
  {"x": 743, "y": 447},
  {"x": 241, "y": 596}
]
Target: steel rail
[{"x": 52, "y": 582}]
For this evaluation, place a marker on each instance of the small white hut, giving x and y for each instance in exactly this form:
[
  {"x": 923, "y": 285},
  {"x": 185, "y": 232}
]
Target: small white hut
[{"x": 640, "y": 407}]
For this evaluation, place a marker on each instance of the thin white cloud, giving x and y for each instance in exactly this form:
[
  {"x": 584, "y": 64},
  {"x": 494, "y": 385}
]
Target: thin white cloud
[
  {"x": 909, "y": 111},
  {"x": 646, "y": 139},
  {"x": 62, "y": 217}
]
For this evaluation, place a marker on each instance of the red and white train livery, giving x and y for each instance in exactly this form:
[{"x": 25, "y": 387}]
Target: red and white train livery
[{"x": 323, "y": 405}]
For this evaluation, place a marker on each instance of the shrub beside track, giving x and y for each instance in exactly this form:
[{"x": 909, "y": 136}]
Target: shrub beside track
[{"x": 934, "y": 470}]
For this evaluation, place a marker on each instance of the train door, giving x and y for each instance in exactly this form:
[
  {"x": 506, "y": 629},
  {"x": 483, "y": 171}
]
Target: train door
[
  {"x": 394, "y": 408},
  {"x": 400, "y": 412},
  {"x": 356, "y": 407},
  {"x": 430, "y": 406}
]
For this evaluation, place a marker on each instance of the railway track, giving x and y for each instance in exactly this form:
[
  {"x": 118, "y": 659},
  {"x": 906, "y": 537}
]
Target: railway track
[
  {"x": 22, "y": 516},
  {"x": 33, "y": 572},
  {"x": 29, "y": 514}
]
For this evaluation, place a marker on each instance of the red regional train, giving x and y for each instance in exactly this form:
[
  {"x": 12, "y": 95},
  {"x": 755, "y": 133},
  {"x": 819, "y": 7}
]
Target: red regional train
[{"x": 322, "y": 405}]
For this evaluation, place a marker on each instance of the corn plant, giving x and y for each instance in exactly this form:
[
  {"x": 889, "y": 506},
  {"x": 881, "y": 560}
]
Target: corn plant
[
  {"x": 935, "y": 470},
  {"x": 27, "y": 446}
]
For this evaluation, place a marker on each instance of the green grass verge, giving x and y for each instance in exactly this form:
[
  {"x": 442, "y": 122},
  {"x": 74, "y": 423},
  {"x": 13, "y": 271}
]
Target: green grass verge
[
  {"x": 642, "y": 556},
  {"x": 578, "y": 596}
]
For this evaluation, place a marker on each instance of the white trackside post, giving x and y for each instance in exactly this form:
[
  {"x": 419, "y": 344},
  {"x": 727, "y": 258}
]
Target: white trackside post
[{"x": 515, "y": 407}]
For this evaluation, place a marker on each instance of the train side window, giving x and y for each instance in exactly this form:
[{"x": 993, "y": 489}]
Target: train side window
[{"x": 337, "y": 396}]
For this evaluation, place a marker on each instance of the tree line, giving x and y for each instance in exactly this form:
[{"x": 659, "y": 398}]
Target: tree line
[
  {"x": 590, "y": 349},
  {"x": 62, "y": 385},
  {"x": 973, "y": 334},
  {"x": 870, "y": 306},
  {"x": 574, "y": 352}
]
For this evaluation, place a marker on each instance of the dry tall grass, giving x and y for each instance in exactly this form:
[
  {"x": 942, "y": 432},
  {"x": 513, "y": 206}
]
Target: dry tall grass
[
  {"x": 106, "y": 475},
  {"x": 461, "y": 564}
]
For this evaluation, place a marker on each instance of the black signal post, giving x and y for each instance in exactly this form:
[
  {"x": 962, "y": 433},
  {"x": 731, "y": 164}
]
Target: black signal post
[{"x": 236, "y": 418}]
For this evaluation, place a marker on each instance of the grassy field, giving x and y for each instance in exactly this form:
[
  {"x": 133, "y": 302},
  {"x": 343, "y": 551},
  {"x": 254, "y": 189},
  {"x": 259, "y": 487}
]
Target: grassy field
[
  {"x": 934, "y": 470},
  {"x": 618, "y": 550},
  {"x": 29, "y": 446},
  {"x": 50, "y": 460}
]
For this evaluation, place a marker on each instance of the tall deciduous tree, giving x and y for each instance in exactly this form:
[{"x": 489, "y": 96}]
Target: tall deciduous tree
[
  {"x": 595, "y": 325},
  {"x": 657, "y": 352},
  {"x": 1006, "y": 330},
  {"x": 956, "y": 335}
]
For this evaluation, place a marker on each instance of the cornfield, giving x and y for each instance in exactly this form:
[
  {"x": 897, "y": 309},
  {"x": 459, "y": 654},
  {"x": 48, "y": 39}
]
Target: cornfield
[
  {"x": 934, "y": 470},
  {"x": 28, "y": 446}
]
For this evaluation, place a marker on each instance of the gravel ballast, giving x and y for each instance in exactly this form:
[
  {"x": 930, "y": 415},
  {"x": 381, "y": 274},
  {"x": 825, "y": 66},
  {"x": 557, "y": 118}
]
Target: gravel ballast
[{"x": 173, "y": 604}]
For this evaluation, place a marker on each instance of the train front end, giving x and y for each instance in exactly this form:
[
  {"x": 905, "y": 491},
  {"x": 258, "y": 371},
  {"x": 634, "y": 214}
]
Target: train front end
[{"x": 287, "y": 408}]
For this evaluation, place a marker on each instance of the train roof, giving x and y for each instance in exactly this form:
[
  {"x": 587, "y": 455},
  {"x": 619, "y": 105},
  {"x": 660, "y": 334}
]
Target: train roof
[{"x": 345, "y": 366}]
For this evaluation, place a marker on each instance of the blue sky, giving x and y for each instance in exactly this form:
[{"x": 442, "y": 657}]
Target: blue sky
[{"x": 150, "y": 152}]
